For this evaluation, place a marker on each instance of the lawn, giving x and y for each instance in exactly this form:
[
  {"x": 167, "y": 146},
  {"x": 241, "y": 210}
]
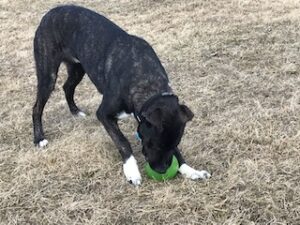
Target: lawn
[{"x": 234, "y": 63}]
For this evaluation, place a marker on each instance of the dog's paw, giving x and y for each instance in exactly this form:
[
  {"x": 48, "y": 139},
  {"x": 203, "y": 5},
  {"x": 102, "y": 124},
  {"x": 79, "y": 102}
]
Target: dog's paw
[
  {"x": 43, "y": 143},
  {"x": 193, "y": 174},
  {"x": 132, "y": 172},
  {"x": 81, "y": 114},
  {"x": 203, "y": 174},
  {"x": 123, "y": 115}
]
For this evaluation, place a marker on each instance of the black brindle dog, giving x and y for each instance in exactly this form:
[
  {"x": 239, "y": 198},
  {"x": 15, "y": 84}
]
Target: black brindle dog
[{"x": 126, "y": 71}]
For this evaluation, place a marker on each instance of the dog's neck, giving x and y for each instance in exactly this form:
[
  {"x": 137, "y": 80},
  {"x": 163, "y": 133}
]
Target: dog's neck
[{"x": 144, "y": 91}]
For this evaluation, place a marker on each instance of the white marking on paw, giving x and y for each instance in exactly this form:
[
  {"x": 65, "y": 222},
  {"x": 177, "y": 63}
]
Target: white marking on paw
[
  {"x": 132, "y": 172},
  {"x": 123, "y": 115},
  {"x": 81, "y": 114},
  {"x": 43, "y": 143},
  {"x": 193, "y": 174}
]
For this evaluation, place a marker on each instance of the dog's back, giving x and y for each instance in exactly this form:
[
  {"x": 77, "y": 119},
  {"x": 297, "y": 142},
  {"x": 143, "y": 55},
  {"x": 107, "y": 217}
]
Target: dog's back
[{"x": 65, "y": 26}]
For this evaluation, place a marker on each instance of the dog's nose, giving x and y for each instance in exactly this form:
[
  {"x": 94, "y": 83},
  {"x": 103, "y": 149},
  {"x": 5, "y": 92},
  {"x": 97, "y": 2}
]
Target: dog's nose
[{"x": 161, "y": 168}]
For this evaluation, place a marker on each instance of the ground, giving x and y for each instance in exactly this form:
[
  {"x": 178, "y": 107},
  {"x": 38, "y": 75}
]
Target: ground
[{"x": 234, "y": 63}]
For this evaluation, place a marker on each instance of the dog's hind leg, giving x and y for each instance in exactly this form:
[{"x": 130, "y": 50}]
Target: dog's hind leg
[
  {"x": 75, "y": 75},
  {"x": 46, "y": 69}
]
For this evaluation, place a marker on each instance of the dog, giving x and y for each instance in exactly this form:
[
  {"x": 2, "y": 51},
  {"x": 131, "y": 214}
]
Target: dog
[{"x": 126, "y": 71}]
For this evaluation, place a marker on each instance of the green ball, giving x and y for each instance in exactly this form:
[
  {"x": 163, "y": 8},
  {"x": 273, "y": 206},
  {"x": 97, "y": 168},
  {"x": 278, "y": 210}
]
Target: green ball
[{"x": 169, "y": 174}]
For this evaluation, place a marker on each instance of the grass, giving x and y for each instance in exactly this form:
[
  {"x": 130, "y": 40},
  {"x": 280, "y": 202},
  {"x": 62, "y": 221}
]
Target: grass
[{"x": 235, "y": 63}]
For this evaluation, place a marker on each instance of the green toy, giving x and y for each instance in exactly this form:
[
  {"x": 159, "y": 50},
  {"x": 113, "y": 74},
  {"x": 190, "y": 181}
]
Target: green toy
[{"x": 169, "y": 174}]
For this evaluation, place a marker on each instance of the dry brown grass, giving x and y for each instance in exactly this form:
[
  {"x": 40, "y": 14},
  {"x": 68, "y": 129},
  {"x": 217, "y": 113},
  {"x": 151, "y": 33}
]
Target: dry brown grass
[{"x": 236, "y": 63}]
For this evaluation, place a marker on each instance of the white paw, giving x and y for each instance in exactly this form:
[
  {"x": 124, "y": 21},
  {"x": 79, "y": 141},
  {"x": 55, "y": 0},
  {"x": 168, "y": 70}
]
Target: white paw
[
  {"x": 81, "y": 114},
  {"x": 122, "y": 115},
  {"x": 43, "y": 143},
  {"x": 193, "y": 174},
  {"x": 132, "y": 172}
]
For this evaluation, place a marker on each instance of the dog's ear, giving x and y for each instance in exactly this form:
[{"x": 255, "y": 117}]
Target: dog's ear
[
  {"x": 185, "y": 113},
  {"x": 154, "y": 117}
]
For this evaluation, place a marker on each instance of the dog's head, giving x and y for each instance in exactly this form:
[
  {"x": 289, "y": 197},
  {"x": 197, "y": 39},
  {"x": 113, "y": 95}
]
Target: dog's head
[{"x": 161, "y": 130}]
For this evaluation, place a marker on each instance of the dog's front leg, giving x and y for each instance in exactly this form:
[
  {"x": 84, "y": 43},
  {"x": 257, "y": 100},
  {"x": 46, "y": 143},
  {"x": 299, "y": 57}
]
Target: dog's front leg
[
  {"x": 130, "y": 166},
  {"x": 188, "y": 171}
]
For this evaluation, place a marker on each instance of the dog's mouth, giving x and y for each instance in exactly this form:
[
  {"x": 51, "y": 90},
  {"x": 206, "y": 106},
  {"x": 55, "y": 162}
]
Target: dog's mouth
[
  {"x": 157, "y": 161},
  {"x": 160, "y": 167}
]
